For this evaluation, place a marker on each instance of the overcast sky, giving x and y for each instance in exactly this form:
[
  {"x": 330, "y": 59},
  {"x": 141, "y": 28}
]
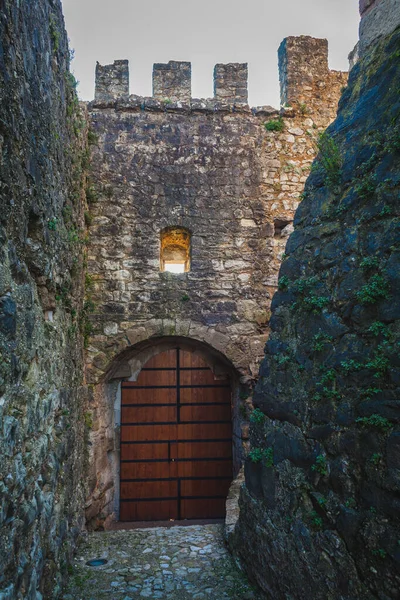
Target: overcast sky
[{"x": 204, "y": 32}]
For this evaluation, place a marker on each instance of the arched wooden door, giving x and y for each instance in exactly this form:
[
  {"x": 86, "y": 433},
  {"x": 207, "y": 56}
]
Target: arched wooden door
[{"x": 176, "y": 441}]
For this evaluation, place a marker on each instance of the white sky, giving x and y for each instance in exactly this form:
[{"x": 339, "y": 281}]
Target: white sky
[{"x": 204, "y": 32}]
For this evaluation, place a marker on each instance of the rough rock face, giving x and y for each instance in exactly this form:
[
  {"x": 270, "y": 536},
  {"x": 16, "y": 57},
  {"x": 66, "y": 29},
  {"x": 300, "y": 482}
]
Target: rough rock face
[
  {"x": 320, "y": 509},
  {"x": 378, "y": 19},
  {"x": 42, "y": 148}
]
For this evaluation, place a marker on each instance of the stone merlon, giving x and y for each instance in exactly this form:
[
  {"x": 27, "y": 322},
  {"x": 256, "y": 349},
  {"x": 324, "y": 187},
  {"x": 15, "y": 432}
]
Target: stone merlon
[
  {"x": 172, "y": 81},
  {"x": 304, "y": 73},
  {"x": 112, "y": 81},
  {"x": 230, "y": 82}
]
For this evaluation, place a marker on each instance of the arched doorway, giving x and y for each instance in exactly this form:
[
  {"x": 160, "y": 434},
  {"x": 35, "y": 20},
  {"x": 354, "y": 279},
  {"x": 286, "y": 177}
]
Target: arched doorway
[{"x": 176, "y": 439}]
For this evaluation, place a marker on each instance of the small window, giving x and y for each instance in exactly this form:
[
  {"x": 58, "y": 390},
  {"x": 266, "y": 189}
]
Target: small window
[{"x": 175, "y": 250}]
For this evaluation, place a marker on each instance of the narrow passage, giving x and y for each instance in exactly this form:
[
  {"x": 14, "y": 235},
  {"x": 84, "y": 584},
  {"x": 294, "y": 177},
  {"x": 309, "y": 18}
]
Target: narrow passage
[{"x": 178, "y": 562}]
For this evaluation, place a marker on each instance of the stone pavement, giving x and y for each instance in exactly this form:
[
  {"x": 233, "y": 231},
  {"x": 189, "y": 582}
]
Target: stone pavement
[{"x": 178, "y": 563}]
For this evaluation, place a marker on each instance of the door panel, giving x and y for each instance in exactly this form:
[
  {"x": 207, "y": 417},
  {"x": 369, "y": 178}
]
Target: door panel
[
  {"x": 151, "y": 377},
  {"x": 156, "y": 510},
  {"x": 150, "y": 489},
  {"x": 176, "y": 440},
  {"x": 149, "y": 414},
  {"x": 205, "y": 413},
  {"x": 203, "y": 508},
  {"x": 149, "y": 451},
  {"x": 205, "y": 487},
  {"x": 150, "y": 396},
  {"x": 204, "y": 468},
  {"x": 206, "y": 395},
  {"x": 195, "y": 449}
]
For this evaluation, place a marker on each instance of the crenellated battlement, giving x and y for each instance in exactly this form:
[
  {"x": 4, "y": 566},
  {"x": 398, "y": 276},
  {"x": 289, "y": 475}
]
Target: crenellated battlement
[{"x": 303, "y": 74}]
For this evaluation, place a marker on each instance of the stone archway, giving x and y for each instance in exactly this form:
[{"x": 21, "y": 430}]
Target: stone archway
[{"x": 103, "y": 502}]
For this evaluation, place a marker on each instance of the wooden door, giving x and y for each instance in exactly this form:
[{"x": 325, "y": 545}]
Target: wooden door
[{"x": 176, "y": 441}]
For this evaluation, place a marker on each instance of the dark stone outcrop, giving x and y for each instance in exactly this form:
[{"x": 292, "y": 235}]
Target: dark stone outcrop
[
  {"x": 320, "y": 509},
  {"x": 42, "y": 151}
]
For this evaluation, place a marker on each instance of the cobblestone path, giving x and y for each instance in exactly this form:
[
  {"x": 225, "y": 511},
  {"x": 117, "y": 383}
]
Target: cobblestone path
[{"x": 178, "y": 563}]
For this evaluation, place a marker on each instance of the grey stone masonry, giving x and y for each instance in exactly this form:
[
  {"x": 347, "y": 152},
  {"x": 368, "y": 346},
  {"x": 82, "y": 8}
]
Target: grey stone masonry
[
  {"x": 172, "y": 81},
  {"x": 230, "y": 82},
  {"x": 112, "y": 81},
  {"x": 378, "y": 19}
]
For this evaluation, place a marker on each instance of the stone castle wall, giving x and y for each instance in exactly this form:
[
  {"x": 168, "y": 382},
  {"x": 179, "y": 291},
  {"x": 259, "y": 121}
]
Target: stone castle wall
[
  {"x": 42, "y": 441},
  {"x": 212, "y": 167}
]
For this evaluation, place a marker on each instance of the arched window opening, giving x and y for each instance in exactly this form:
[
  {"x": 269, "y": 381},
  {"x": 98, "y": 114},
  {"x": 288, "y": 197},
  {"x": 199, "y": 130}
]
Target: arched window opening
[{"x": 175, "y": 250}]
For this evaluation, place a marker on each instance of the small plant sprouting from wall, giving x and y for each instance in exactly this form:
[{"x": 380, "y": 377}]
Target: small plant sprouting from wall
[
  {"x": 329, "y": 160},
  {"x": 264, "y": 455},
  {"x": 93, "y": 138},
  {"x": 275, "y": 125},
  {"x": 316, "y": 521},
  {"x": 88, "y": 416},
  {"x": 376, "y": 459},
  {"x": 321, "y": 465},
  {"x": 54, "y": 35},
  {"x": 380, "y": 553},
  {"x": 88, "y": 219},
  {"x": 376, "y": 289},
  {"x": 308, "y": 299},
  {"x": 366, "y": 187},
  {"x": 320, "y": 340},
  {"x": 257, "y": 416},
  {"x": 303, "y": 108},
  {"x": 368, "y": 263},
  {"x": 376, "y": 421},
  {"x": 283, "y": 283}
]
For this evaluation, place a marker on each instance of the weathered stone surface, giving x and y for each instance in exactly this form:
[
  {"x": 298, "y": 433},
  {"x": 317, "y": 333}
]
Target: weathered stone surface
[
  {"x": 230, "y": 83},
  {"x": 112, "y": 81},
  {"x": 305, "y": 76},
  {"x": 223, "y": 177},
  {"x": 174, "y": 563},
  {"x": 322, "y": 482},
  {"x": 172, "y": 82},
  {"x": 42, "y": 150},
  {"x": 379, "y": 19}
]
